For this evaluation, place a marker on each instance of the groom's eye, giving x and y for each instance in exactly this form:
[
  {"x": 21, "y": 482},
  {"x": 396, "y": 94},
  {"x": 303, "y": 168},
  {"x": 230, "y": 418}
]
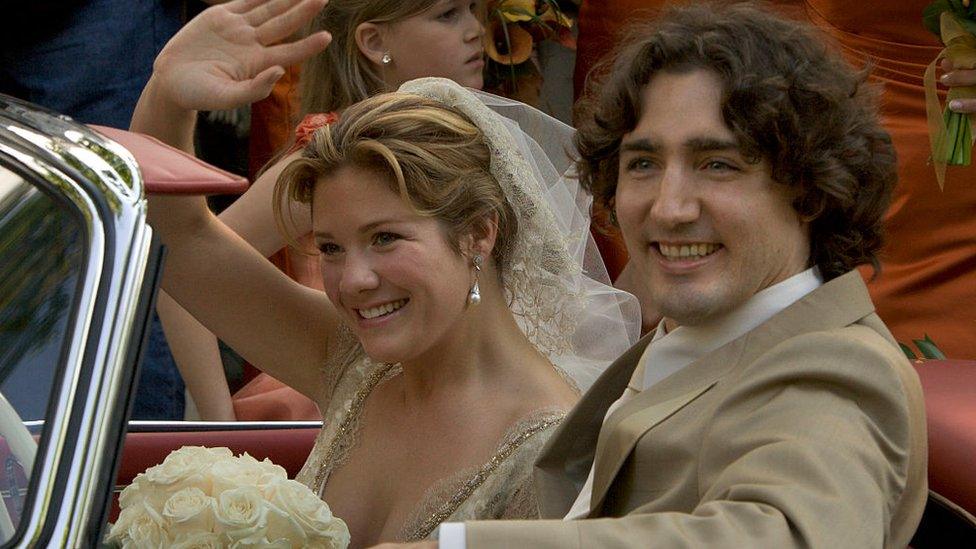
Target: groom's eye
[{"x": 639, "y": 164}]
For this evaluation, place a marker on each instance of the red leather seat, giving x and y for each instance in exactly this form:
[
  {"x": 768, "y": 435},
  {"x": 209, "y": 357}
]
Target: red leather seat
[{"x": 950, "y": 404}]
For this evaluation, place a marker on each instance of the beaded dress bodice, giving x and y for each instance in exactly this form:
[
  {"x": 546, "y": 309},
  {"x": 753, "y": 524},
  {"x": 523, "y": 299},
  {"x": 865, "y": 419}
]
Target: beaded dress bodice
[{"x": 500, "y": 488}]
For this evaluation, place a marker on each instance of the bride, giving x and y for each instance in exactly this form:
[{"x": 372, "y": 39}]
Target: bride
[{"x": 459, "y": 320}]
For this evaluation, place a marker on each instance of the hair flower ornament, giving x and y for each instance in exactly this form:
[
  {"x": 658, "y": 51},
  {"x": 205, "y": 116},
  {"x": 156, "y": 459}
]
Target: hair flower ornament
[{"x": 207, "y": 497}]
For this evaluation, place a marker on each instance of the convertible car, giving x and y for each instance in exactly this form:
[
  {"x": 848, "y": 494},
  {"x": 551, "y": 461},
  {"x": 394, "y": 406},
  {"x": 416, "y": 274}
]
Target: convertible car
[{"x": 79, "y": 268}]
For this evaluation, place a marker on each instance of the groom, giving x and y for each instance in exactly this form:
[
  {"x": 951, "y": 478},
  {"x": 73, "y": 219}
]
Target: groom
[{"x": 771, "y": 407}]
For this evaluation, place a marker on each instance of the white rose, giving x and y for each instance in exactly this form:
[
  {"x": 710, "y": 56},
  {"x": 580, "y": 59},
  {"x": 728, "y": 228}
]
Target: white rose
[
  {"x": 263, "y": 543},
  {"x": 308, "y": 510},
  {"x": 189, "y": 510},
  {"x": 183, "y": 468},
  {"x": 204, "y": 452},
  {"x": 197, "y": 540},
  {"x": 283, "y": 528},
  {"x": 133, "y": 493},
  {"x": 335, "y": 537},
  {"x": 241, "y": 514},
  {"x": 244, "y": 471},
  {"x": 266, "y": 465},
  {"x": 120, "y": 529},
  {"x": 144, "y": 527}
]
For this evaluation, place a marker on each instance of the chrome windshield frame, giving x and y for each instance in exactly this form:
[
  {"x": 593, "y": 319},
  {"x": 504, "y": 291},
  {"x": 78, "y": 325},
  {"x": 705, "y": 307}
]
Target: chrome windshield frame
[{"x": 84, "y": 425}]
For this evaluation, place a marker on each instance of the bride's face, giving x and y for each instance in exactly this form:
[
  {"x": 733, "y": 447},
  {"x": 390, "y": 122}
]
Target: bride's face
[{"x": 390, "y": 273}]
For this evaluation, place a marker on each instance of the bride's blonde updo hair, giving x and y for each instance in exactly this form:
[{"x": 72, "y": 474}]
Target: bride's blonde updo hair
[{"x": 434, "y": 157}]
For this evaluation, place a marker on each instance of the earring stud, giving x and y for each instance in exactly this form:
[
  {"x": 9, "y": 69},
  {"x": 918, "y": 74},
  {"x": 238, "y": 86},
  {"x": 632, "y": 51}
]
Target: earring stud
[
  {"x": 386, "y": 59},
  {"x": 474, "y": 296}
]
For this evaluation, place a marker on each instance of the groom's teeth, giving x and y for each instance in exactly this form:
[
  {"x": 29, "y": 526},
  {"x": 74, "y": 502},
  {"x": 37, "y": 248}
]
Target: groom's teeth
[
  {"x": 384, "y": 309},
  {"x": 687, "y": 251}
]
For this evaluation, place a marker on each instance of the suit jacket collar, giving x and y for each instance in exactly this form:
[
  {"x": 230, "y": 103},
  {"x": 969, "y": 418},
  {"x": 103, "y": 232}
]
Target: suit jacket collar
[{"x": 566, "y": 459}]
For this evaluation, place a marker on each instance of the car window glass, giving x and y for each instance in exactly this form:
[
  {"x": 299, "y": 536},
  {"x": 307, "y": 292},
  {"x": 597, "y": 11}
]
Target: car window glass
[{"x": 41, "y": 262}]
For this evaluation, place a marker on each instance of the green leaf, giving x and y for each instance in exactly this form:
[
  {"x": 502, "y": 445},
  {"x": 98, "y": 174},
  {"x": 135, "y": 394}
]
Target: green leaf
[
  {"x": 952, "y": 135},
  {"x": 967, "y": 141},
  {"x": 932, "y": 13},
  {"x": 967, "y": 22},
  {"x": 908, "y": 351},
  {"x": 928, "y": 348}
]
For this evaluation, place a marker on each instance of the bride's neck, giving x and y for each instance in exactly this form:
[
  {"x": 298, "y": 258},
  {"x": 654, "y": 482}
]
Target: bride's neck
[{"x": 483, "y": 350}]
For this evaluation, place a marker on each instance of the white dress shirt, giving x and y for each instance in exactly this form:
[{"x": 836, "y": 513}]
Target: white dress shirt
[{"x": 670, "y": 352}]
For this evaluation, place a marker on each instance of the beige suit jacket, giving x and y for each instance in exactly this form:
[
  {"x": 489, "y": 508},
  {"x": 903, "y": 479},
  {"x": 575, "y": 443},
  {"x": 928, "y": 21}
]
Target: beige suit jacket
[{"x": 808, "y": 431}]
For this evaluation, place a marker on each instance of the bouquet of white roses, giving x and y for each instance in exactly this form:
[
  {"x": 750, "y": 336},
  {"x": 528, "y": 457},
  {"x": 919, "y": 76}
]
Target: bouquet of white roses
[{"x": 207, "y": 497}]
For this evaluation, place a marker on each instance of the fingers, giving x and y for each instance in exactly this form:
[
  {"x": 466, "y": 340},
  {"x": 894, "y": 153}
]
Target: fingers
[
  {"x": 960, "y": 77},
  {"x": 248, "y": 91},
  {"x": 269, "y": 9},
  {"x": 286, "y": 22},
  {"x": 243, "y": 6},
  {"x": 963, "y": 105},
  {"x": 293, "y": 52}
]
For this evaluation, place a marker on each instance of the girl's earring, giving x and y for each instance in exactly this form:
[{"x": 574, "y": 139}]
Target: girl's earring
[
  {"x": 474, "y": 296},
  {"x": 386, "y": 59}
]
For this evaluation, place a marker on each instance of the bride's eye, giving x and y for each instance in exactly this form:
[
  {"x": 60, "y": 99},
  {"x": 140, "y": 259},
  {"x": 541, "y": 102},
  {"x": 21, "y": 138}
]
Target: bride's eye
[{"x": 385, "y": 239}]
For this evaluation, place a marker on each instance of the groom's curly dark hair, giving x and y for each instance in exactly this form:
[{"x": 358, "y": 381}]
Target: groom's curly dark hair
[{"x": 789, "y": 98}]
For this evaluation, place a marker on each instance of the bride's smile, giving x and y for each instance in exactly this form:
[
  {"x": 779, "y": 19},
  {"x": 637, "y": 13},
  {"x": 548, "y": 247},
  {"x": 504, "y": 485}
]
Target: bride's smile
[{"x": 383, "y": 310}]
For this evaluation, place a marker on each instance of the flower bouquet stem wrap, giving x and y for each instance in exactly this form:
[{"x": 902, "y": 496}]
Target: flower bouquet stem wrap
[{"x": 951, "y": 133}]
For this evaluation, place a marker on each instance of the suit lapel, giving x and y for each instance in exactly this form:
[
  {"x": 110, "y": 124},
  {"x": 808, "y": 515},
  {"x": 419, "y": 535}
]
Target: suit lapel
[
  {"x": 840, "y": 302},
  {"x": 624, "y": 428},
  {"x": 565, "y": 461}
]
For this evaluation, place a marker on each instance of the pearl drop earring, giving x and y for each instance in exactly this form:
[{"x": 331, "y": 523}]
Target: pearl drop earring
[{"x": 474, "y": 296}]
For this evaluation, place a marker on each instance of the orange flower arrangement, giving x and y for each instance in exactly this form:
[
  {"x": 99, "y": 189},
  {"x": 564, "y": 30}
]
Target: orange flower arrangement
[{"x": 512, "y": 30}]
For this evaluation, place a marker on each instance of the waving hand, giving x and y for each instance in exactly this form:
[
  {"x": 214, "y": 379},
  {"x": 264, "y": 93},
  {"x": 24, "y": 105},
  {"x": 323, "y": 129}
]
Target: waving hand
[{"x": 232, "y": 54}]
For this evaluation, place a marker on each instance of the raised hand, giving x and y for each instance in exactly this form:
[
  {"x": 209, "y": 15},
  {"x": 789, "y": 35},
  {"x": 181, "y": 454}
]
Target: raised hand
[{"x": 232, "y": 54}]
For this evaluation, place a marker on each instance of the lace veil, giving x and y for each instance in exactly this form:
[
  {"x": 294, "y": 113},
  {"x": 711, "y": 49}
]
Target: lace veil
[{"x": 557, "y": 284}]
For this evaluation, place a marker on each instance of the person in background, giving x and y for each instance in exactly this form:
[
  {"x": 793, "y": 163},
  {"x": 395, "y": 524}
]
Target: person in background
[
  {"x": 377, "y": 45},
  {"x": 90, "y": 59},
  {"x": 928, "y": 264}
]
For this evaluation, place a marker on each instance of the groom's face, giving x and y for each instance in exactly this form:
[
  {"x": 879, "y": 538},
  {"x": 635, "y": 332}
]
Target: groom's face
[{"x": 706, "y": 226}]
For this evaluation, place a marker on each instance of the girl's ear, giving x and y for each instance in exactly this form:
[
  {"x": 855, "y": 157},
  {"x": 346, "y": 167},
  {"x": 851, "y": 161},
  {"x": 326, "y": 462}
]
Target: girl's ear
[{"x": 370, "y": 41}]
